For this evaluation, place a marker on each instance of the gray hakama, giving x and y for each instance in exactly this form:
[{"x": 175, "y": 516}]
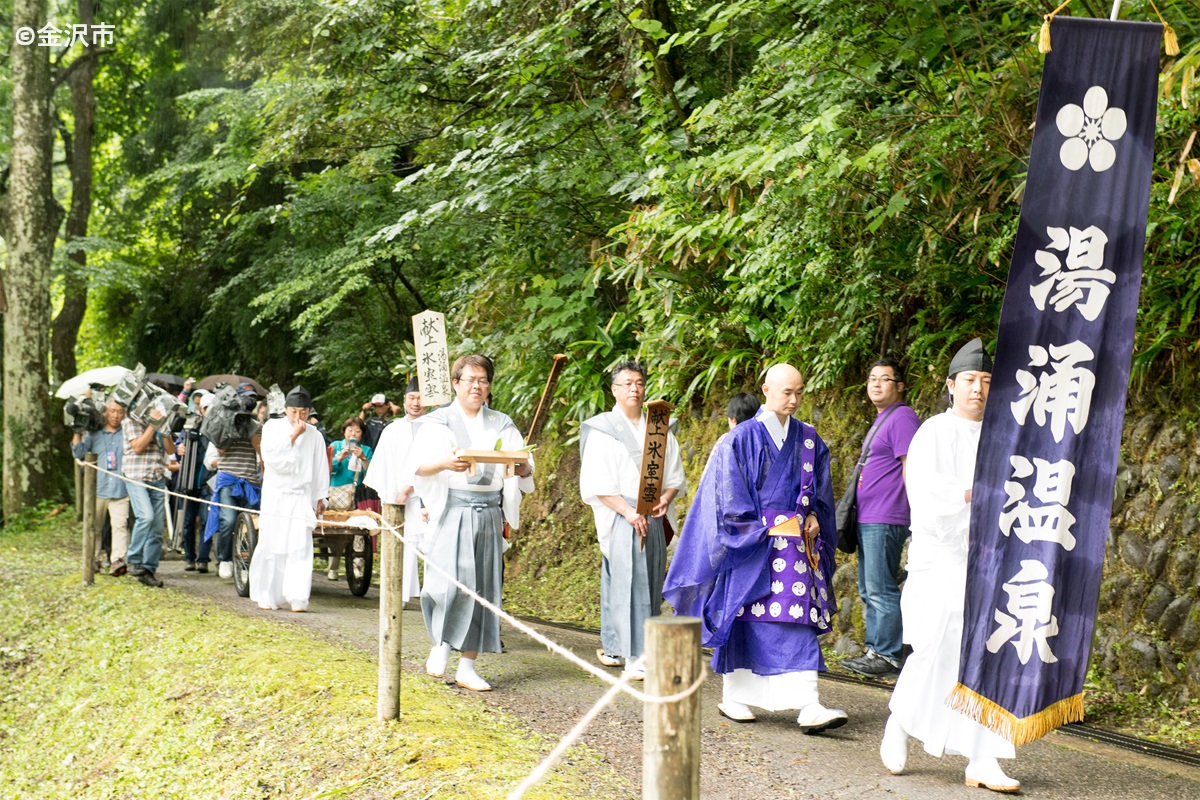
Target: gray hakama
[
  {"x": 469, "y": 543},
  {"x": 631, "y": 582}
]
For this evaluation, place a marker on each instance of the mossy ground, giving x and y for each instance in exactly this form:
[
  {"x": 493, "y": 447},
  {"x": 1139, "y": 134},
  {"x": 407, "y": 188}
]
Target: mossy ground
[{"x": 120, "y": 691}]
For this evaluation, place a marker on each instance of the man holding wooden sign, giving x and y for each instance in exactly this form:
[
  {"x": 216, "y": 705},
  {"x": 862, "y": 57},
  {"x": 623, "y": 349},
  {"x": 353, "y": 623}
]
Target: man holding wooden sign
[
  {"x": 755, "y": 560},
  {"x": 470, "y": 473},
  {"x": 630, "y": 473}
]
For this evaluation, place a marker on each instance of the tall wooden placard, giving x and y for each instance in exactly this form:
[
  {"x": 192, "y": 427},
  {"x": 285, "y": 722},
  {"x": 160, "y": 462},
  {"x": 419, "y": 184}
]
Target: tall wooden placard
[
  {"x": 654, "y": 454},
  {"x": 433, "y": 359}
]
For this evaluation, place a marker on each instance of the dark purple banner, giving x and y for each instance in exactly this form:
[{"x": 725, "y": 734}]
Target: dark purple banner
[{"x": 1052, "y": 430}]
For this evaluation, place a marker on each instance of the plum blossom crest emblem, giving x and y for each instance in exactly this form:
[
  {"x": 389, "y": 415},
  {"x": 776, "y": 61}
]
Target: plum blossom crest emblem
[{"x": 1090, "y": 131}]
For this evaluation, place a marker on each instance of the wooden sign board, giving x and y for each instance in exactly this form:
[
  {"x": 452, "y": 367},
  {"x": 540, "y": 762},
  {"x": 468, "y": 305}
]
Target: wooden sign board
[
  {"x": 654, "y": 454},
  {"x": 433, "y": 359}
]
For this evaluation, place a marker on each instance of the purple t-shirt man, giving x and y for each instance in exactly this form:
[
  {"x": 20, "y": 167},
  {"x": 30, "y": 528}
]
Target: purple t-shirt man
[{"x": 881, "y": 496}]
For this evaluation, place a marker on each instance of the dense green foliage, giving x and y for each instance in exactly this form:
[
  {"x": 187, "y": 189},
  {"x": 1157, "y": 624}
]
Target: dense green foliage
[{"x": 712, "y": 186}]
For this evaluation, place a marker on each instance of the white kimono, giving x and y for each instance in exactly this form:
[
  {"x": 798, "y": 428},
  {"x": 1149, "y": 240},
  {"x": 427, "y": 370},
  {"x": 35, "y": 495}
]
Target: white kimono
[
  {"x": 464, "y": 541},
  {"x": 295, "y": 479},
  {"x": 388, "y": 473},
  {"x": 633, "y": 569},
  {"x": 940, "y": 469},
  {"x": 607, "y": 468}
]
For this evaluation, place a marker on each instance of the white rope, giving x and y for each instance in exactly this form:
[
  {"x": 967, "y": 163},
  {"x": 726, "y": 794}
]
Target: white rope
[{"x": 539, "y": 772}]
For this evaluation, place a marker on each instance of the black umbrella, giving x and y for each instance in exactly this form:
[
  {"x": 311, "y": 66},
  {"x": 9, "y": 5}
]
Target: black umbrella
[
  {"x": 209, "y": 383},
  {"x": 172, "y": 383}
]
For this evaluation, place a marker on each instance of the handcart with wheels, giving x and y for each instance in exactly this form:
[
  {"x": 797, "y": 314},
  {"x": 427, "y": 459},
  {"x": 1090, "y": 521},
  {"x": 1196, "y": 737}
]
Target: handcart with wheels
[{"x": 342, "y": 533}]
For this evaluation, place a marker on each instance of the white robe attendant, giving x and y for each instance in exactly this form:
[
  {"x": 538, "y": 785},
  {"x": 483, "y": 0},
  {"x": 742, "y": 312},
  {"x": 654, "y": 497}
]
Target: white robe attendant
[
  {"x": 940, "y": 469},
  {"x": 388, "y": 473},
  {"x": 295, "y": 479},
  {"x": 633, "y": 569},
  {"x": 450, "y": 617},
  {"x": 606, "y": 469}
]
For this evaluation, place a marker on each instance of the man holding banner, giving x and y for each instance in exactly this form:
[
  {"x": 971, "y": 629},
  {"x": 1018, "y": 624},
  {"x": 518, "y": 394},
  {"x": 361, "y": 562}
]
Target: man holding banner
[
  {"x": 755, "y": 560},
  {"x": 940, "y": 475},
  {"x": 614, "y": 446}
]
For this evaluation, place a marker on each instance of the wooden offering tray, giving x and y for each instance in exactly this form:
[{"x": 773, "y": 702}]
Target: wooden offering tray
[{"x": 508, "y": 458}]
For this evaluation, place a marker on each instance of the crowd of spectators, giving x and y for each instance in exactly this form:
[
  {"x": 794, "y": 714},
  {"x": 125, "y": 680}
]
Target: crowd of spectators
[{"x": 147, "y": 477}]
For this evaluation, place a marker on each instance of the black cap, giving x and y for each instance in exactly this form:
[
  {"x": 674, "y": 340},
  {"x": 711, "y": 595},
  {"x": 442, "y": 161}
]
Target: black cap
[
  {"x": 413, "y": 385},
  {"x": 972, "y": 357},
  {"x": 298, "y": 398}
]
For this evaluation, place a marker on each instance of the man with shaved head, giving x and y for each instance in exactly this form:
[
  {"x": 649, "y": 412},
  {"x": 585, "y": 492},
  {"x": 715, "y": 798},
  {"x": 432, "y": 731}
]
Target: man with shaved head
[{"x": 755, "y": 560}]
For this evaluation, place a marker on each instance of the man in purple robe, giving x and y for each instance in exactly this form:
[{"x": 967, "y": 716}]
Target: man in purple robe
[{"x": 755, "y": 560}]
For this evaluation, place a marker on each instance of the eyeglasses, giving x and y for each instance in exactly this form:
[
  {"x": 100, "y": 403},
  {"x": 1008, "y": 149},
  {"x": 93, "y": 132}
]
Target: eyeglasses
[
  {"x": 882, "y": 381},
  {"x": 482, "y": 383},
  {"x": 632, "y": 385}
]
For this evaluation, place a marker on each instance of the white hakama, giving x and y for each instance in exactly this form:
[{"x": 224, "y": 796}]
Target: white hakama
[
  {"x": 631, "y": 576},
  {"x": 465, "y": 536},
  {"x": 388, "y": 474},
  {"x": 295, "y": 479},
  {"x": 940, "y": 468}
]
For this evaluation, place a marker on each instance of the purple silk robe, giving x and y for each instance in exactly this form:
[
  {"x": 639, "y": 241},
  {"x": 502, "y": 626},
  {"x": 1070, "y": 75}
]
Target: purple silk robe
[{"x": 725, "y": 561}]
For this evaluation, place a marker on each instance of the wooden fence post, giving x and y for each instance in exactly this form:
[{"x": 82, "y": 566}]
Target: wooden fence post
[
  {"x": 671, "y": 740},
  {"x": 89, "y": 519},
  {"x": 78, "y": 491},
  {"x": 391, "y": 606}
]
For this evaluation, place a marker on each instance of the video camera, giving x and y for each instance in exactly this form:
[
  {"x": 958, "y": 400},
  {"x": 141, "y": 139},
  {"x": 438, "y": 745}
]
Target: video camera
[
  {"x": 83, "y": 413},
  {"x": 140, "y": 397},
  {"x": 230, "y": 418}
]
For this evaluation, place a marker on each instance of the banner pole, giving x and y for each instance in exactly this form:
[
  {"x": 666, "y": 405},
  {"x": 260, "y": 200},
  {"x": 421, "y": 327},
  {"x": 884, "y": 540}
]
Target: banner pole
[{"x": 1116, "y": 10}]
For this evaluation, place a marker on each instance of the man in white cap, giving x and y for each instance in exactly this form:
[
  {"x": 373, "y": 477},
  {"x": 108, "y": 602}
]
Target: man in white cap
[
  {"x": 388, "y": 475},
  {"x": 295, "y": 488},
  {"x": 941, "y": 471}
]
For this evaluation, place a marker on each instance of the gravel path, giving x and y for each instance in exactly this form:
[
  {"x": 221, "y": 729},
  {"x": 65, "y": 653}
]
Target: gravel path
[{"x": 767, "y": 759}]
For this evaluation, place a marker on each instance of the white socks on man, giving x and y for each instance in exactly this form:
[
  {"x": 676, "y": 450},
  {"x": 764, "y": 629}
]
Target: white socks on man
[
  {"x": 986, "y": 772},
  {"x": 435, "y": 665},
  {"x": 894, "y": 747},
  {"x": 468, "y": 678},
  {"x": 981, "y": 771}
]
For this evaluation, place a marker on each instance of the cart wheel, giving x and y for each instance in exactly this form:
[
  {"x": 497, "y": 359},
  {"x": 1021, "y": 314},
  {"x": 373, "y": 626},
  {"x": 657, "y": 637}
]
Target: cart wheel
[
  {"x": 245, "y": 539},
  {"x": 359, "y": 561}
]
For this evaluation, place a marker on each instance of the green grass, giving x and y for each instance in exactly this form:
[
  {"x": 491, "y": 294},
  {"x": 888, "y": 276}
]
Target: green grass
[{"x": 119, "y": 691}]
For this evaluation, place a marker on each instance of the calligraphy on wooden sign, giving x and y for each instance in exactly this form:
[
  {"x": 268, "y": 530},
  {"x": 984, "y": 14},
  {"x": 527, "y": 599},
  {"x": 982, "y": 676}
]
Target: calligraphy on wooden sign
[
  {"x": 654, "y": 454},
  {"x": 433, "y": 360}
]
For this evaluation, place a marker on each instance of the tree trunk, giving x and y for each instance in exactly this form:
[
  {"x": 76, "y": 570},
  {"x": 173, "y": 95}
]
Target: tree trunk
[
  {"x": 32, "y": 221},
  {"x": 64, "y": 332}
]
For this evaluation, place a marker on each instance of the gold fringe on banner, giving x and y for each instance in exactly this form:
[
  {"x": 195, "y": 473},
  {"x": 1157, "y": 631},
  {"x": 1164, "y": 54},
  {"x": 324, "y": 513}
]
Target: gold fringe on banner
[{"x": 1019, "y": 731}]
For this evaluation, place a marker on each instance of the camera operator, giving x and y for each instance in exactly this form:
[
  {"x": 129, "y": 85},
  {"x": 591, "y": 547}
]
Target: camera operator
[
  {"x": 144, "y": 457},
  {"x": 111, "y": 497},
  {"x": 238, "y": 481},
  {"x": 193, "y": 481}
]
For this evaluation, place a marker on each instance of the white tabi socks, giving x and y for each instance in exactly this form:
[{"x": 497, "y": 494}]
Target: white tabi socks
[
  {"x": 468, "y": 678},
  {"x": 435, "y": 665},
  {"x": 814, "y": 717},
  {"x": 731, "y": 709},
  {"x": 894, "y": 747},
  {"x": 986, "y": 772}
]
